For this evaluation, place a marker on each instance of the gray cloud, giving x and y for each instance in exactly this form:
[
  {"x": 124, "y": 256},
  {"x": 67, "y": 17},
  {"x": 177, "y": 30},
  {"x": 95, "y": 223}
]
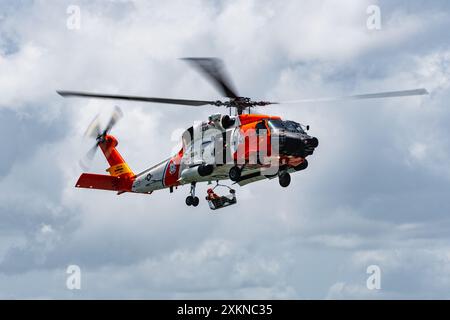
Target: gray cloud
[{"x": 375, "y": 192}]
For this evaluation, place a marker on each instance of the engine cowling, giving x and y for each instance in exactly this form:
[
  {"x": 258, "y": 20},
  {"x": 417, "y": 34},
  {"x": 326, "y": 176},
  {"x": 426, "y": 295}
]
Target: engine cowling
[
  {"x": 195, "y": 173},
  {"x": 205, "y": 170},
  {"x": 226, "y": 121}
]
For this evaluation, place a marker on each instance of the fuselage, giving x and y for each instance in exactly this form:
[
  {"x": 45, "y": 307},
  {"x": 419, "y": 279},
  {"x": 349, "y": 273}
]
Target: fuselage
[{"x": 211, "y": 148}]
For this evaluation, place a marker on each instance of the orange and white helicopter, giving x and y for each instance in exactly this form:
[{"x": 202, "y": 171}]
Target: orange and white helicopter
[{"x": 243, "y": 148}]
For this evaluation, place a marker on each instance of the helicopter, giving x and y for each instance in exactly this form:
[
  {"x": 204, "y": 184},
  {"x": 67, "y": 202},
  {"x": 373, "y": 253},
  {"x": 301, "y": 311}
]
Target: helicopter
[{"x": 245, "y": 147}]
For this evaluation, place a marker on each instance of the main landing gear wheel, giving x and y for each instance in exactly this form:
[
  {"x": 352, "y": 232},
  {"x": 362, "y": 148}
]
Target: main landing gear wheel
[
  {"x": 285, "y": 179},
  {"x": 234, "y": 173},
  {"x": 302, "y": 166},
  {"x": 192, "y": 200}
]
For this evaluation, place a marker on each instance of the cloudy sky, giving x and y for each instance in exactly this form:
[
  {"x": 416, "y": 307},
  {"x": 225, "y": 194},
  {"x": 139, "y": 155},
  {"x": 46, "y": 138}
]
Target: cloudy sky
[{"x": 376, "y": 191}]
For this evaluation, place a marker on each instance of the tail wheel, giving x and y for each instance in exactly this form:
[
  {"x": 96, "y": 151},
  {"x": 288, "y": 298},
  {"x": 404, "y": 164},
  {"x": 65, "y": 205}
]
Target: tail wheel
[
  {"x": 235, "y": 173},
  {"x": 284, "y": 179}
]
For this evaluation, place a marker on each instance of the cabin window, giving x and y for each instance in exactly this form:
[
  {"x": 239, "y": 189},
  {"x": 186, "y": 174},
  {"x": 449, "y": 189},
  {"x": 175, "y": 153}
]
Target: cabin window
[
  {"x": 260, "y": 125},
  {"x": 187, "y": 137}
]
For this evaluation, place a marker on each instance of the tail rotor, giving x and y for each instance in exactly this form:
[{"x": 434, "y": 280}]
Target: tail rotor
[{"x": 94, "y": 131}]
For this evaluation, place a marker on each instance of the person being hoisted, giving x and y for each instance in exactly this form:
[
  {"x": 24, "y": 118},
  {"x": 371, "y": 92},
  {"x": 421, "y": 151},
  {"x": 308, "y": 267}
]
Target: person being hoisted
[
  {"x": 216, "y": 202},
  {"x": 211, "y": 194}
]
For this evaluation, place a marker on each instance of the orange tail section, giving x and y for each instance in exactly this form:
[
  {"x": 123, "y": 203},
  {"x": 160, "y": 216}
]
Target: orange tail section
[
  {"x": 118, "y": 166},
  {"x": 121, "y": 176},
  {"x": 103, "y": 182}
]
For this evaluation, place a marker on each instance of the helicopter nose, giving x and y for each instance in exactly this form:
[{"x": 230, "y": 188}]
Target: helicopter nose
[
  {"x": 313, "y": 142},
  {"x": 294, "y": 145},
  {"x": 309, "y": 145}
]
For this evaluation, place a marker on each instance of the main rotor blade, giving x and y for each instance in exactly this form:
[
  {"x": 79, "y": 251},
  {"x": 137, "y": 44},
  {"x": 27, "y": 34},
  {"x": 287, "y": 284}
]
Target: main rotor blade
[
  {"x": 214, "y": 70},
  {"x": 378, "y": 95},
  {"x": 184, "y": 102}
]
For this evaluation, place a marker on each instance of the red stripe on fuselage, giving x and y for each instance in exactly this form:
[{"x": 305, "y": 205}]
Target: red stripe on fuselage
[{"x": 172, "y": 173}]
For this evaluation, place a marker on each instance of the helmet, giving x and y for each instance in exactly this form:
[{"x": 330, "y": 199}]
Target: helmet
[{"x": 210, "y": 190}]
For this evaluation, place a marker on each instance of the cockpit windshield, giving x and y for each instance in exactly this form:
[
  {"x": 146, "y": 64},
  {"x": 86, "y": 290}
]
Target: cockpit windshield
[
  {"x": 286, "y": 125},
  {"x": 293, "y": 126}
]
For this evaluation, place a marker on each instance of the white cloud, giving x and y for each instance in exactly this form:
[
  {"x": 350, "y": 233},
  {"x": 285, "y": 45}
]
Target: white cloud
[{"x": 374, "y": 191}]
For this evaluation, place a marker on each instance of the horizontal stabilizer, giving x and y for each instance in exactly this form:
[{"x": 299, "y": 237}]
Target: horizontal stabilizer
[{"x": 99, "y": 181}]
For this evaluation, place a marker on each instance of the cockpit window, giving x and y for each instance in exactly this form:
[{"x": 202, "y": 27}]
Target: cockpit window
[
  {"x": 286, "y": 125},
  {"x": 293, "y": 126}
]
